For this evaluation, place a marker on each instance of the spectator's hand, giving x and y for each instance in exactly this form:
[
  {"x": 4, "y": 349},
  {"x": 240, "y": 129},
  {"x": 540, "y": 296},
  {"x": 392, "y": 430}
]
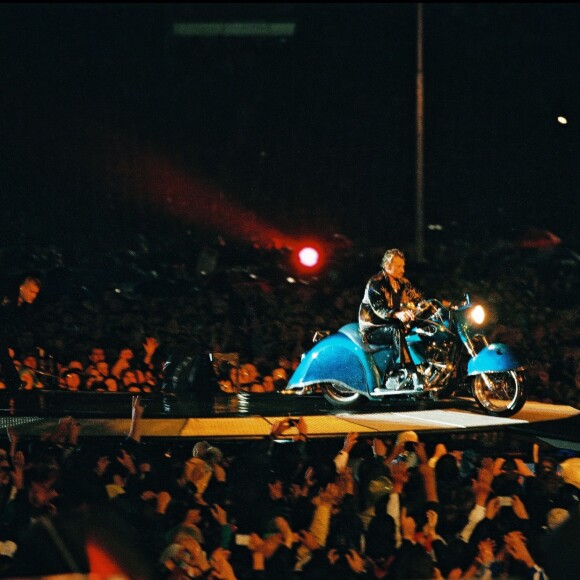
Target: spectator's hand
[
  {"x": 137, "y": 406},
  {"x": 295, "y": 490},
  {"x": 523, "y": 469},
  {"x": 126, "y": 461},
  {"x": 276, "y": 491},
  {"x": 536, "y": 453},
  {"x": 278, "y": 427},
  {"x": 515, "y": 543},
  {"x": 150, "y": 345},
  {"x": 492, "y": 508},
  {"x": 497, "y": 465},
  {"x": 219, "y": 472},
  {"x": 219, "y": 514},
  {"x": 519, "y": 508},
  {"x": 126, "y": 354},
  {"x": 408, "y": 526},
  {"x": 302, "y": 428},
  {"x": 256, "y": 544},
  {"x": 421, "y": 453},
  {"x": 397, "y": 449},
  {"x": 328, "y": 495},
  {"x": 430, "y": 527},
  {"x": 19, "y": 461},
  {"x": 485, "y": 476},
  {"x": 148, "y": 495},
  {"x": 309, "y": 540},
  {"x": 199, "y": 499},
  {"x": 346, "y": 480},
  {"x": 309, "y": 477},
  {"x": 101, "y": 465},
  {"x": 440, "y": 451},
  {"x": 198, "y": 557},
  {"x": 119, "y": 367},
  {"x": 222, "y": 568},
  {"x": 355, "y": 561},
  {"x": 485, "y": 550},
  {"x": 399, "y": 473},
  {"x": 17, "y": 475},
  {"x": 349, "y": 442},
  {"x": 379, "y": 447},
  {"x": 12, "y": 436},
  {"x": 284, "y": 528},
  {"x": 163, "y": 500}
]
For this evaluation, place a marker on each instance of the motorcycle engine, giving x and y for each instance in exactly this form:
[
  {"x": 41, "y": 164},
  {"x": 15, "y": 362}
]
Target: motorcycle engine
[{"x": 437, "y": 367}]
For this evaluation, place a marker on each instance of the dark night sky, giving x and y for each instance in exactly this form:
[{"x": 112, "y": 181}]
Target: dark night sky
[{"x": 317, "y": 133}]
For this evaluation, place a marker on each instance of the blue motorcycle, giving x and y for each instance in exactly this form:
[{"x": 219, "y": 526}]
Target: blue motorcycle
[{"x": 448, "y": 346}]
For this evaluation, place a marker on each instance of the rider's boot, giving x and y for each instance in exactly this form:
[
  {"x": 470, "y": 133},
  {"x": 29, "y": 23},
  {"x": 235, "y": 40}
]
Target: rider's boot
[
  {"x": 391, "y": 382},
  {"x": 402, "y": 380},
  {"x": 418, "y": 383}
]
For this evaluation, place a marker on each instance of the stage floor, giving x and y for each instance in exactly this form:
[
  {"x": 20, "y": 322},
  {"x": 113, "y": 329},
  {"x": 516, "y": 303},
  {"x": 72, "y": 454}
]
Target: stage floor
[{"x": 247, "y": 416}]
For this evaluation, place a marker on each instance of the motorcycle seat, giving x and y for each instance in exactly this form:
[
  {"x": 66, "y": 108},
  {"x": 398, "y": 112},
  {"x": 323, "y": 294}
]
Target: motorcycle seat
[{"x": 351, "y": 330}]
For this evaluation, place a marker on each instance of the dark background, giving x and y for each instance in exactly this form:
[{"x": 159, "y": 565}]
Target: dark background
[{"x": 313, "y": 134}]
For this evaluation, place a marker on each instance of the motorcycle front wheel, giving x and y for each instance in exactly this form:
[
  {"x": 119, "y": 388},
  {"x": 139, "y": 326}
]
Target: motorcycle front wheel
[
  {"x": 500, "y": 394},
  {"x": 340, "y": 396}
]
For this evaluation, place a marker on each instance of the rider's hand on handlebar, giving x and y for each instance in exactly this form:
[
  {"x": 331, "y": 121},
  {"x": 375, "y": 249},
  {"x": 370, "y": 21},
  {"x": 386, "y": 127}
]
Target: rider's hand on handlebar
[{"x": 404, "y": 316}]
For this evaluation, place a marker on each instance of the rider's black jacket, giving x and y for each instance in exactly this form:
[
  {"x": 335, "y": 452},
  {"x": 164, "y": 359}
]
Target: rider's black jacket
[{"x": 380, "y": 301}]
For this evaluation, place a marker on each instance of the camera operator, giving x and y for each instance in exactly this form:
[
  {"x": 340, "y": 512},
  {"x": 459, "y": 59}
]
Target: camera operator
[{"x": 12, "y": 309}]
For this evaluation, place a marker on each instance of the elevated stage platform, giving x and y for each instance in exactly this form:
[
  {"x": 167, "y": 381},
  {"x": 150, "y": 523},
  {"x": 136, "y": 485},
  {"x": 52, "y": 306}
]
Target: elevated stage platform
[{"x": 251, "y": 417}]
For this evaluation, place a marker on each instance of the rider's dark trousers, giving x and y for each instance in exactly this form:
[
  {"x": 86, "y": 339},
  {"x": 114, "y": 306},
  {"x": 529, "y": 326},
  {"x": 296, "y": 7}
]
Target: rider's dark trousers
[{"x": 393, "y": 334}]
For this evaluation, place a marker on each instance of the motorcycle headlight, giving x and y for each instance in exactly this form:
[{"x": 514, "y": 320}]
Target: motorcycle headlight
[{"x": 477, "y": 314}]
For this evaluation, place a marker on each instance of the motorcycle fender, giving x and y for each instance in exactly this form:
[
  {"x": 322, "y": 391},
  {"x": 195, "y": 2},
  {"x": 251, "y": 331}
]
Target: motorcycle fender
[
  {"x": 336, "y": 358},
  {"x": 496, "y": 357}
]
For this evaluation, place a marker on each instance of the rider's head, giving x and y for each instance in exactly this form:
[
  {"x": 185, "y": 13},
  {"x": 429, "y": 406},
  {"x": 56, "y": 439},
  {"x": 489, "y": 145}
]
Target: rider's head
[{"x": 393, "y": 263}]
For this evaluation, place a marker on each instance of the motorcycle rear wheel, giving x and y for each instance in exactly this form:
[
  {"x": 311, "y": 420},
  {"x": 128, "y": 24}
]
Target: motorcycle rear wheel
[
  {"x": 340, "y": 396},
  {"x": 500, "y": 394}
]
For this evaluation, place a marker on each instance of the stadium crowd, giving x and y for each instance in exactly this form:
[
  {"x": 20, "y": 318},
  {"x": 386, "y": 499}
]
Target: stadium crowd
[
  {"x": 289, "y": 506},
  {"x": 116, "y": 336}
]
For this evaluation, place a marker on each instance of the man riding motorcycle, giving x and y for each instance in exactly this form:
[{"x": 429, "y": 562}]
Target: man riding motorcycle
[
  {"x": 442, "y": 349},
  {"x": 382, "y": 314}
]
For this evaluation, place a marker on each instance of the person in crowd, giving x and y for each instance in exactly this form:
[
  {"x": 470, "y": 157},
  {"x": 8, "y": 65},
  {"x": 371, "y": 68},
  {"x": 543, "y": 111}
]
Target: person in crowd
[
  {"x": 71, "y": 380},
  {"x": 128, "y": 381},
  {"x": 124, "y": 361},
  {"x": 100, "y": 375},
  {"x": 92, "y": 376},
  {"x": 28, "y": 375},
  {"x": 96, "y": 356},
  {"x": 205, "y": 470},
  {"x": 560, "y": 546},
  {"x": 384, "y": 311},
  {"x": 12, "y": 307}
]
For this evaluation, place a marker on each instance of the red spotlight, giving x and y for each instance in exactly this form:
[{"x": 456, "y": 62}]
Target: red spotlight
[{"x": 308, "y": 258}]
